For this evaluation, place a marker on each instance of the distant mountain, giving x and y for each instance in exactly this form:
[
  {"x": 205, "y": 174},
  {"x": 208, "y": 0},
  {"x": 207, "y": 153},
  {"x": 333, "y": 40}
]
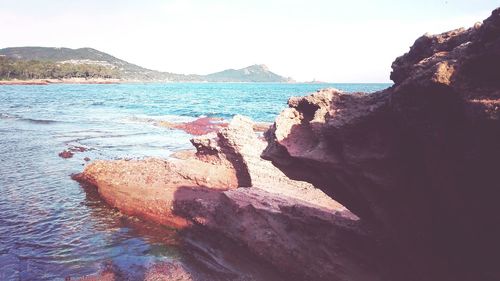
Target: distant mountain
[
  {"x": 254, "y": 73},
  {"x": 91, "y": 58}
]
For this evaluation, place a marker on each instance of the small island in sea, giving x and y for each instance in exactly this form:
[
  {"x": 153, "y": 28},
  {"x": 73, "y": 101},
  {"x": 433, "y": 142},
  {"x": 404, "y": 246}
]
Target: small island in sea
[{"x": 111, "y": 172}]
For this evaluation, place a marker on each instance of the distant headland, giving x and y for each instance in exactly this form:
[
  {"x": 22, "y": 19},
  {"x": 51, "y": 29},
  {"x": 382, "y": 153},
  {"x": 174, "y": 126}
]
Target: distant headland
[{"x": 45, "y": 65}]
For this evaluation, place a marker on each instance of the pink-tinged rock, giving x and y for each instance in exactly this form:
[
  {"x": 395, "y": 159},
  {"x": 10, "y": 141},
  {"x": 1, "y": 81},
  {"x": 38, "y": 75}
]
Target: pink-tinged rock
[
  {"x": 419, "y": 161},
  {"x": 190, "y": 191},
  {"x": 66, "y": 154},
  {"x": 303, "y": 241},
  {"x": 168, "y": 271},
  {"x": 198, "y": 127},
  {"x": 78, "y": 148},
  {"x": 146, "y": 188},
  {"x": 225, "y": 160}
]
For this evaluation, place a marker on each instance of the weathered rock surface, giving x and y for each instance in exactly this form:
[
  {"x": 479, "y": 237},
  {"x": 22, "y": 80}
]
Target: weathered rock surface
[
  {"x": 66, "y": 154},
  {"x": 226, "y": 160},
  {"x": 304, "y": 241},
  {"x": 239, "y": 145},
  {"x": 146, "y": 188},
  {"x": 190, "y": 191},
  {"x": 168, "y": 271},
  {"x": 200, "y": 126},
  {"x": 418, "y": 160}
]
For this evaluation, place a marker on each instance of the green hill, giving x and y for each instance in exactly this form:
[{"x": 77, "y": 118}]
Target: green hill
[
  {"x": 86, "y": 57},
  {"x": 11, "y": 68},
  {"x": 44, "y": 62}
]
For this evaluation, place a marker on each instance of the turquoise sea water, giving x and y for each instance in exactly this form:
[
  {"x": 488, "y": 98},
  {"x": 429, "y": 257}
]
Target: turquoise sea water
[{"x": 50, "y": 227}]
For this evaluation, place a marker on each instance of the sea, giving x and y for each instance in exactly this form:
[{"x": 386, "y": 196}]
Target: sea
[{"x": 51, "y": 227}]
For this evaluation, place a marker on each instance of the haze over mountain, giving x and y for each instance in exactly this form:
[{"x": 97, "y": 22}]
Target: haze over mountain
[{"x": 88, "y": 57}]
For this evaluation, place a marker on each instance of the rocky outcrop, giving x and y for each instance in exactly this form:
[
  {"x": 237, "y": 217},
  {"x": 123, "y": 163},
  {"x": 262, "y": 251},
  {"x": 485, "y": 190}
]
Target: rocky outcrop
[
  {"x": 198, "y": 127},
  {"x": 239, "y": 145},
  {"x": 146, "y": 188},
  {"x": 266, "y": 211},
  {"x": 226, "y": 160},
  {"x": 302, "y": 240},
  {"x": 66, "y": 154},
  {"x": 419, "y": 160}
]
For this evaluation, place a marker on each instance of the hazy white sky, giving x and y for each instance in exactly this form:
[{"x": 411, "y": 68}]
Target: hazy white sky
[{"x": 329, "y": 40}]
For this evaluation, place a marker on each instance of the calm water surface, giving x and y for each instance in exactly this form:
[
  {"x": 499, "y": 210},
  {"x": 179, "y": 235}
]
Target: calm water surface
[{"x": 50, "y": 227}]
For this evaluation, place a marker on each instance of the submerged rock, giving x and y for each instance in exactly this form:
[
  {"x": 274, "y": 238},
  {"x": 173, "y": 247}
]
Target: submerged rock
[
  {"x": 109, "y": 272},
  {"x": 198, "y": 127},
  {"x": 168, "y": 271},
  {"x": 66, "y": 154},
  {"x": 418, "y": 160},
  {"x": 77, "y": 148}
]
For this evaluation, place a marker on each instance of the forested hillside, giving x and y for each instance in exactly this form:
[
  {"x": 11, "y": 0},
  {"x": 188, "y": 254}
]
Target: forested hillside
[{"x": 34, "y": 69}]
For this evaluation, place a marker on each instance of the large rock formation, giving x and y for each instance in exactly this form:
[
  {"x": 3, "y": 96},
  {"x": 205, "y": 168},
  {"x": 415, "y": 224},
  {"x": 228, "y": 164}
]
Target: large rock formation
[
  {"x": 301, "y": 240},
  {"x": 146, "y": 188},
  {"x": 418, "y": 160},
  {"x": 227, "y": 189}
]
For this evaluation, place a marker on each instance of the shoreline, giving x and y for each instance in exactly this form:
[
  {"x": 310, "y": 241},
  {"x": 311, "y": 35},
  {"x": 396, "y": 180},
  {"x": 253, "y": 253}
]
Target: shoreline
[
  {"x": 43, "y": 82},
  {"x": 60, "y": 81}
]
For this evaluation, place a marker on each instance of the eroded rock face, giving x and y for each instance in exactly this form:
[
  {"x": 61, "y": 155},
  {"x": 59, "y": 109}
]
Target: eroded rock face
[
  {"x": 146, "y": 188},
  {"x": 226, "y": 160},
  {"x": 239, "y": 145},
  {"x": 304, "y": 241},
  {"x": 418, "y": 160},
  {"x": 287, "y": 225}
]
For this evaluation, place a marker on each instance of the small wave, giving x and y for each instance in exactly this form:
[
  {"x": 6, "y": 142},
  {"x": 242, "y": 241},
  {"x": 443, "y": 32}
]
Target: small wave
[
  {"x": 38, "y": 121},
  {"x": 19, "y": 105},
  {"x": 8, "y": 116}
]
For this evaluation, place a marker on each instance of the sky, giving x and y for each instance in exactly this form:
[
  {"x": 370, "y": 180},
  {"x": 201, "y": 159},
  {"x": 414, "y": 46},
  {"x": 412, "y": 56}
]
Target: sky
[{"x": 327, "y": 40}]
